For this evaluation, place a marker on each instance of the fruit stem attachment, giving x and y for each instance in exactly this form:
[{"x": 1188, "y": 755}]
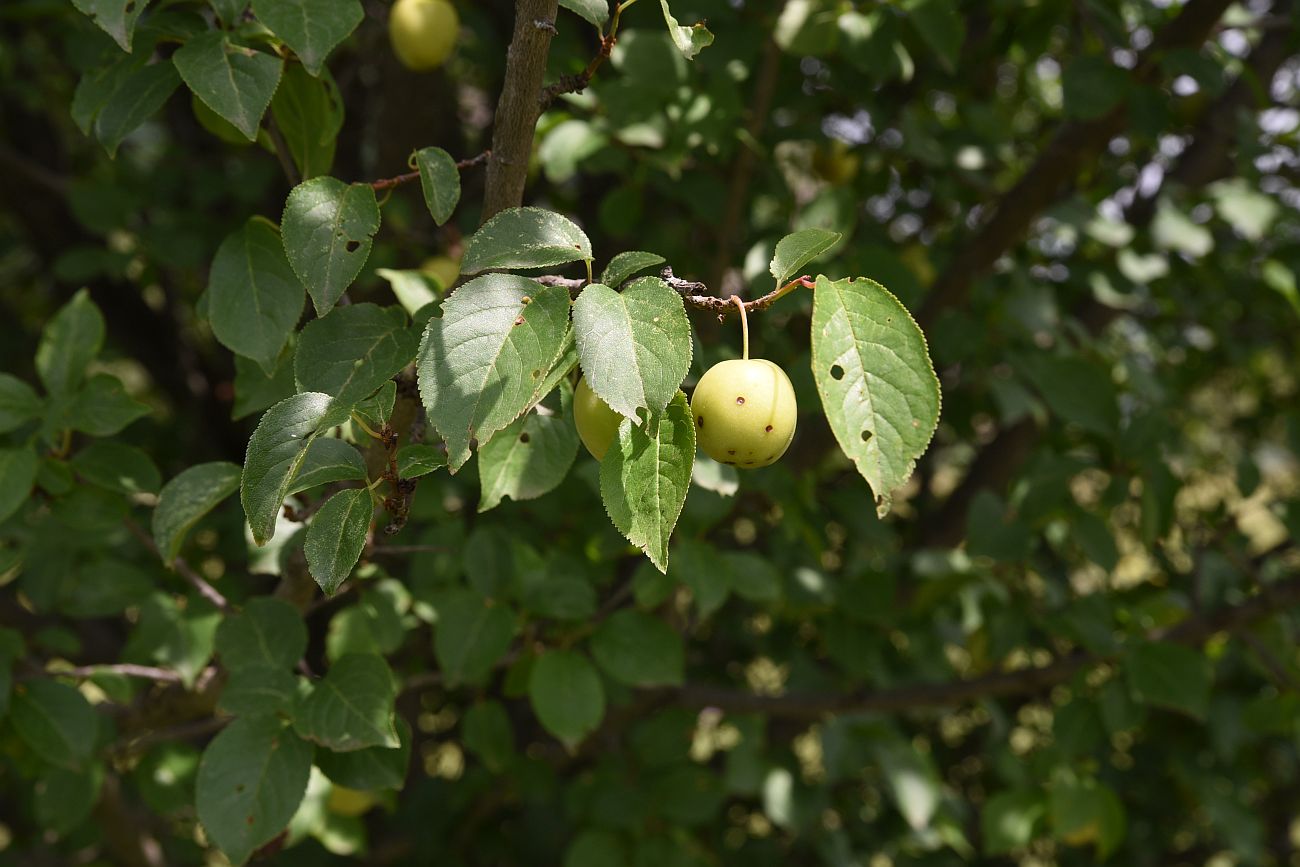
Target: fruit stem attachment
[{"x": 744, "y": 326}]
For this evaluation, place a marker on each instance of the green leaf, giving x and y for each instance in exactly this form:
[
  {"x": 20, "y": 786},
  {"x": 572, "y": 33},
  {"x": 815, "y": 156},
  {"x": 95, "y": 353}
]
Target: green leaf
[
  {"x": 377, "y": 409},
  {"x": 328, "y": 460},
  {"x": 187, "y": 498},
  {"x": 115, "y": 17},
  {"x": 229, "y": 11},
  {"x": 418, "y": 460},
  {"x": 118, "y": 467},
  {"x": 875, "y": 379},
  {"x": 235, "y": 82},
  {"x": 1083, "y": 810},
  {"x": 470, "y": 636},
  {"x": 101, "y": 407},
  {"x": 351, "y": 708},
  {"x": 328, "y": 228},
  {"x": 353, "y": 350},
  {"x": 1169, "y": 675},
  {"x": 531, "y": 455},
  {"x": 135, "y": 95},
  {"x": 251, "y": 779},
  {"x": 482, "y": 362},
  {"x": 524, "y": 238},
  {"x": 594, "y": 11},
  {"x": 371, "y": 768},
  {"x": 912, "y": 780},
  {"x": 412, "y": 289},
  {"x": 55, "y": 721},
  {"x": 64, "y": 797},
  {"x": 624, "y": 265},
  {"x": 259, "y": 692},
  {"x": 310, "y": 27},
  {"x": 635, "y": 345},
  {"x": 1091, "y": 86},
  {"x": 254, "y": 298},
  {"x": 486, "y": 732},
  {"x": 566, "y": 695},
  {"x": 309, "y": 113},
  {"x": 691, "y": 40},
  {"x": 1173, "y": 230},
  {"x": 940, "y": 25},
  {"x": 336, "y": 537},
  {"x": 17, "y": 475},
  {"x": 19, "y": 403},
  {"x": 440, "y": 180},
  {"x": 1076, "y": 390},
  {"x": 645, "y": 476},
  {"x": 639, "y": 650},
  {"x": 795, "y": 251},
  {"x": 103, "y": 587},
  {"x": 69, "y": 342},
  {"x": 175, "y": 633},
  {"x": 276, "y": 452},
  {"x": 1009, "y": 818},
  {"x": 267, "y": 633},
  {"x": 254, "y": 390}
]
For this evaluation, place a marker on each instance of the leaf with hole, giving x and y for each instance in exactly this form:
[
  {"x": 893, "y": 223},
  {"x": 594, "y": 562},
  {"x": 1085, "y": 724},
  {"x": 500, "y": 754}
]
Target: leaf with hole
[
  {"x": 328, "y": 228},
  {"x": 875, "y": 379},
  {"x": 484, "y": 360},
  {"x": 251, "y": 780},
  {"x": 531, "y": 455}
]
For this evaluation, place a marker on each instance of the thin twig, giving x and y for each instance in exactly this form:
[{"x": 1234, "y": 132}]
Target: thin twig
[
  {"x": 282, "y": 152},
  {"x": 578, "y": 83},
  {"x": 126, "y": 669},
  {"x": 691, "y": 290},
  {"x": 206, "y": 590},
  {"x": 468, "y": 162}
]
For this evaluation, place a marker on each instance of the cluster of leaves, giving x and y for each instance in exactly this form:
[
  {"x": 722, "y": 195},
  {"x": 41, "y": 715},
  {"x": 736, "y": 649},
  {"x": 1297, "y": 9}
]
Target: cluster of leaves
[{"x": 1069, "y": 636}]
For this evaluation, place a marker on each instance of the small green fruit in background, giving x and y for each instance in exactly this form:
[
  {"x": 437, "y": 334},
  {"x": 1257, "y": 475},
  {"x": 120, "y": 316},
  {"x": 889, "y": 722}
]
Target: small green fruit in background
[
  {"x": 597, "y": 423},
  {"x": 744, "y": 412},
  {"x": 423, "y": 32}
]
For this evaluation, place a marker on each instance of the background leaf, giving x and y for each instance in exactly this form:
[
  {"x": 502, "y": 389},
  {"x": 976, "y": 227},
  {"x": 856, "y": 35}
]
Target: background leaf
[
  {"x": 470, "y": 636},
  {"x": 309, "y": 114},
  {"x": 268, "y": 633},
  {"x": 639, "y": 650},
  {"x": 795, "y": 251},
  {"x": 69, "y": 342},
  {"x": 532, "y": 454},
  {"x": 351, "y": 708},
  {"x": 1169, "y": 675},
  {"x": 115, "y": 17},
  {"x": 55, "y": 721},
  {"x": 187, "y": 498},
  {"x": 566, "y": 695}
]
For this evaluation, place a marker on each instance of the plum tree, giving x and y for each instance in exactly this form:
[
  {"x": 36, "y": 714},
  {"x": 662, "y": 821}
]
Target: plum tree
[{"x": 423, "y": 32}]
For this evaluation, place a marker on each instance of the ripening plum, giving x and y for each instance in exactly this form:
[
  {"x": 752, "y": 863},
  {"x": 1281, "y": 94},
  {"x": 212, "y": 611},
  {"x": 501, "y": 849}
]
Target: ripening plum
[
  {"x": 423, "y": 32},
  {"x": 744, "y": 412},
  {"x": 597, "y": 423}
]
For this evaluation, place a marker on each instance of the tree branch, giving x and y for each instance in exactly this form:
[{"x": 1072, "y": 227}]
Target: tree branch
[
  {"x": 388, "y": 183},
  {"x": 519, "y": 105},
  {"x": 1270, "y": 600},
  {"x": 689, "y": 290},
  {"x": 206, "y": 590}
]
